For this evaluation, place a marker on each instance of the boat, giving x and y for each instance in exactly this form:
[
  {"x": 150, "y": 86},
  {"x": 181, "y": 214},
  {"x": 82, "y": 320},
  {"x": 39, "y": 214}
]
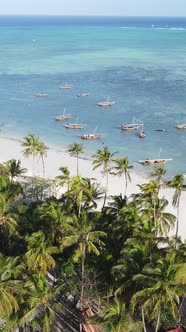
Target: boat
[
  {"x": 65, "y": 86},
  {"x": 74, "y": 125},
  {"x": 106, "y": 103},
  {"x": 131, "y": 126},
  {"x": 41, "y": 94},
  {"x": 82, "y": 94},
  {"x": 181, "y": 126},
  {"x": 161, "y": 130},
  {"x": 157, "y": 161},
  {"x": 142, "y": 134},
  {"x": 63, "y": 116},
  {"x": 93, "y": 136}
]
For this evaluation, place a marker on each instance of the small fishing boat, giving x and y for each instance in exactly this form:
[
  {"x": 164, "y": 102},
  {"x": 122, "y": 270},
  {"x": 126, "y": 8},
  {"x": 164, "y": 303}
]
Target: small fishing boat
[
  {"x": 65, "y": 86},
  {"x": 181, "y": 126},
  {"x": 41, "y": 94},
  {"x": 131, "y": 126},
  {"x": 93, "y": 136},
  {"x": 153, "y": 161},
  {"x": 63, "y": 116},
  {"x": 161, "y": 130},
  {"x": 106, "y": 103},
  {"x": 142, "y": 134},
  {"x": 82, "y": 94},
  {"x": 74, "y": 125}
]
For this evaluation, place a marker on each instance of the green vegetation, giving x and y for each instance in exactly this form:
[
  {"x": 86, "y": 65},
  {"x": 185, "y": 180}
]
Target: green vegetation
[{"x": 113, "y": 269}]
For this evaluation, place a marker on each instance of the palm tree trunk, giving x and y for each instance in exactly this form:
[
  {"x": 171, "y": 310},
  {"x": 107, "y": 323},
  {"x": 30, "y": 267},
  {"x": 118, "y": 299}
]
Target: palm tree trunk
[
  {"x": 106, "y": 189},
  {"x": 177, "y": 219},
  {"x": 43, "y": 163},
  {"x": 82, "y": 274},
  {"x": 125, "y": 184},
  {"x": 143, "y": 319},
  {"x": 157, "y": 323},
  {"x": 77, "y": 164}
]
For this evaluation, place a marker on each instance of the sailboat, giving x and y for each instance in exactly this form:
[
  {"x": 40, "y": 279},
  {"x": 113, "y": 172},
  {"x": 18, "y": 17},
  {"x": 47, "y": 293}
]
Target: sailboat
[
  {"x": 63, "y": 116},
  {"x": 131, "y": 126},
  {"x": 154, "y": 162},
  {"x": 75, "y": 125},
  {"x": 65, "y": 86},
  {"x": 106, "y": 103},
  {"x": 93, "y": 136}
]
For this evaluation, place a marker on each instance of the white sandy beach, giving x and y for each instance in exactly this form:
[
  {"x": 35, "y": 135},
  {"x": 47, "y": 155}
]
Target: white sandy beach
[{"x": 11, "y": 148}]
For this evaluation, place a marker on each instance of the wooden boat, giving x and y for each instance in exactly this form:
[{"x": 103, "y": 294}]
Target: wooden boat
[
  {"x": 161, "y": 130},
  {"x": 131, "y": 126},
  {"x": 142, "y": 134},
  {"x": 153, "y": 162},
  {"x": 106, "y": 103},
  {"x": 74, "y": 125},
  {"x": 93, "y": 136},
  {"x": 65, "y": 86},
  {"x": 181, "y": 126},
  {"x": 82, "y": 94},
  {"x": 41, "y": 94},
  {"x": 63, "y": 116}
]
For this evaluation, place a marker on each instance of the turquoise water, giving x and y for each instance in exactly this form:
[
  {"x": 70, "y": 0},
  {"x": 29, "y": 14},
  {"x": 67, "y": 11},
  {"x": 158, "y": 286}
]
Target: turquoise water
[{"x": 139, "y": 63}]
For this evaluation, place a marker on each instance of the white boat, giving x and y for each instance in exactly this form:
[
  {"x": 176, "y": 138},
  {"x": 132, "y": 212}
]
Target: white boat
[
  {"x": 41, "y": 94},
  {"x": 63, "y": 116},
  {"x": 157, "y": 161},
  {"x": 106, "y": 103},
  {"x": 74, "y": 125},
  {"x": 82, "y": 94},
  {"x": 142, "y": 134},
  {"x": 65, "y": 86},
  {"x": 131, "y": 126},
  {"x": 93, "y": 136},
  {"x": 181, "y": 126}
]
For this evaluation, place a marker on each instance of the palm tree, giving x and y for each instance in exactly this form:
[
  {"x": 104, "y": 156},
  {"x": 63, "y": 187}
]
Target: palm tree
[
  {"x": 31, "y": 144},
  {"x": 115, "y": 318},
  {"x": 83, "y": 193},
  {"x": 158, "y": 173},
  {"x": 14, "y": 169},
  {"x": 162, "y": 284},
  {"x": 104, "y": 158},
  {"x": 40, "y": 303},
  {"x": 177, "y": 183},
  {"x": 42, "y": 151},
  {"x": 64, "y": 177},
  {"x": 39, "y": 254},
  {"x": 85, "y": 239},
  {"x": 121, "y": 168},
  {"x": 75, "y": 149}
]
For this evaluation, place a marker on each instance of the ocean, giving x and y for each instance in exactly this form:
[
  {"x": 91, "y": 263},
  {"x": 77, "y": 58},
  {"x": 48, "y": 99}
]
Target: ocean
[{"x": 140, "y": 63}]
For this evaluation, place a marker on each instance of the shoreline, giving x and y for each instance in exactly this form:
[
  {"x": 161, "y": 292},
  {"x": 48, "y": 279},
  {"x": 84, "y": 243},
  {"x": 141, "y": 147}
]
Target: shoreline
[{"x": 57, "y": 158}]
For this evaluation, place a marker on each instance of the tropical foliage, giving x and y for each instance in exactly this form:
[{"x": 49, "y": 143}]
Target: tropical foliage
[{"x": 65, "y": 261}]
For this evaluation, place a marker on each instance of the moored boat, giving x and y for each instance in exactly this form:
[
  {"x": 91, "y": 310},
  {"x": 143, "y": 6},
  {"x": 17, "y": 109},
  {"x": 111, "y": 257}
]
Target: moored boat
[
  {"x": 63, "y": 116},
  {"x": 91, "y": 136},
  {"x": 106, "y": 103},
  {"x": 64, "y": 86},
  {"x": 74, "y": 125},
  {"x": 141, "y": 134},
  {"x": 41, "y": 94},
  {"x": 82, "y": 94},
  {"x": 131, "y": 126},
  {"x": 157, "y": 161},
  {"x": 181, "y": 126}
]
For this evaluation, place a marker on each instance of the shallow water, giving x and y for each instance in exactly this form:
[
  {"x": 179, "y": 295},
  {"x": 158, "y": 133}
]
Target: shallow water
[{"x": 139, "y": 63}]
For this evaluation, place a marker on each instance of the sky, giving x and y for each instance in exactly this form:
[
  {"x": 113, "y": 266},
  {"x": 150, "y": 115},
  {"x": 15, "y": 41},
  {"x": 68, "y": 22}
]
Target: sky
[{"x": 94, "y": 7}]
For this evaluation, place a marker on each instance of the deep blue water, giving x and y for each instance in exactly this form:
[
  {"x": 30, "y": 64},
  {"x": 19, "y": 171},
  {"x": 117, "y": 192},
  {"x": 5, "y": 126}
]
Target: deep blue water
[{"x": 138, "y": 62}]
